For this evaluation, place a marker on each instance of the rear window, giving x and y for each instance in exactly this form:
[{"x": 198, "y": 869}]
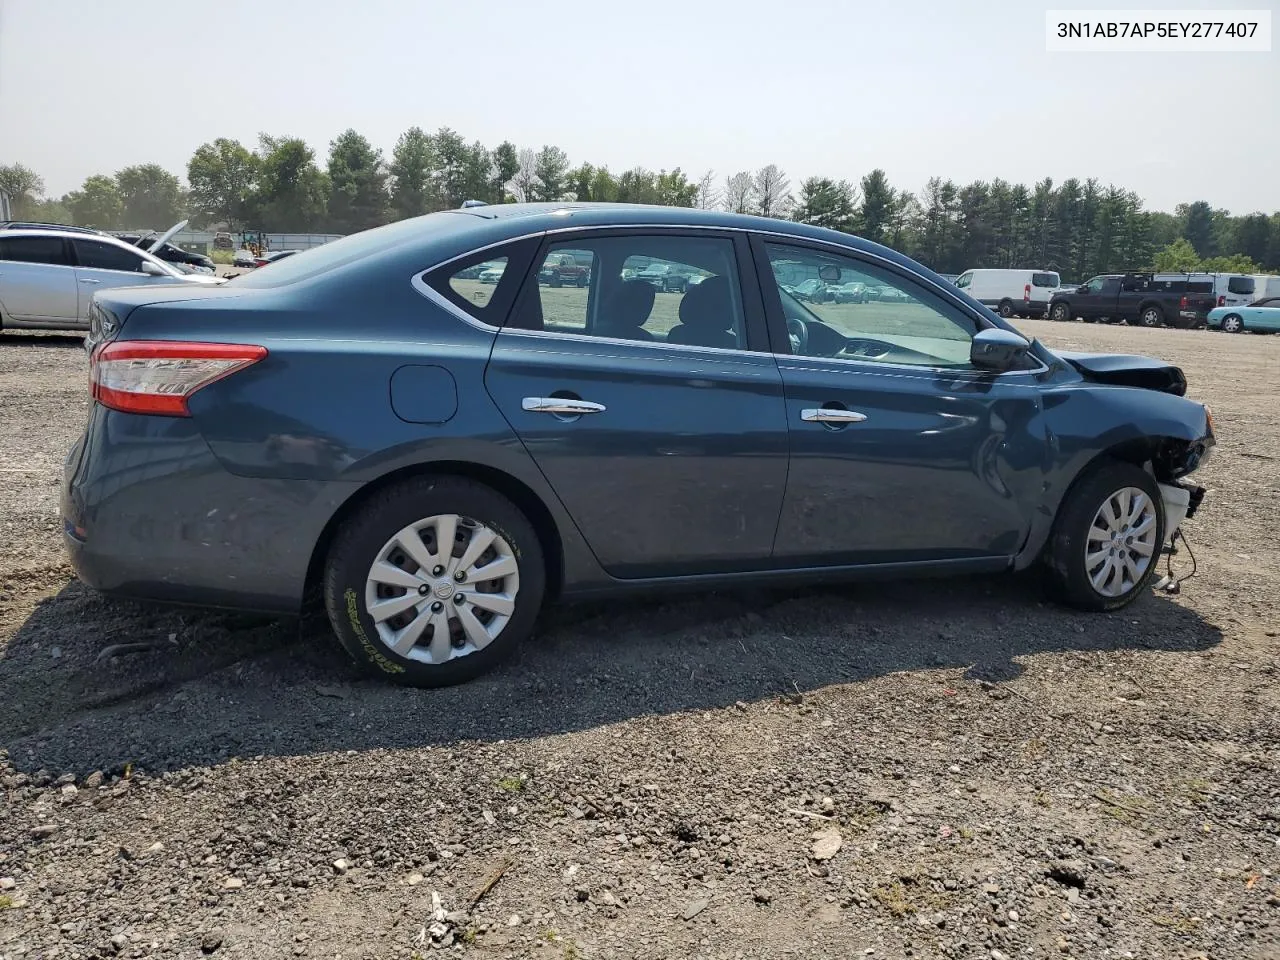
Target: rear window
[
  {"x": 1241, "y": 285},
  {"x": 1049, "y": 280},
  {"x": 356, "y": 246},
  {"x": 1199, "y": 286}
]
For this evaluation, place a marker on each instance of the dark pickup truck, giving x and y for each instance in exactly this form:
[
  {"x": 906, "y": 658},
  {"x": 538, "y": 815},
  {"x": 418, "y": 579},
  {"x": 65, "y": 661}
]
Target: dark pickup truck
[{"x": 1144, "y": 299}]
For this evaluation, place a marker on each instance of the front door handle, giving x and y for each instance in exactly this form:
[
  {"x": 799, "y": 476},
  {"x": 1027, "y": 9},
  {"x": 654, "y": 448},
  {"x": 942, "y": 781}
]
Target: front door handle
[
  {"x": 831, "y": 415},
  {"x": 89, "y": 280},
  {"x": 561, "y": 405}
]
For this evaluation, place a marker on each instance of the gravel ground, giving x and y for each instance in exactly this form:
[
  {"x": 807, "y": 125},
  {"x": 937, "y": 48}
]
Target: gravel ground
[{"x": 940, "y": 769}]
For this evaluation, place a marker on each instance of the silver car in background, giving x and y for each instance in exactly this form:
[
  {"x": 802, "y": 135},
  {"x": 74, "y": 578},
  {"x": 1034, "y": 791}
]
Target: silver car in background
[{"x": 48, "y": 277}]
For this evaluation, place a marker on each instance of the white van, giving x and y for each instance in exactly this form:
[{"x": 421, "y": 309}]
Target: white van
[
  {"x": 1011, "y": 293},
  {"x": 1234, "y": 289},
  {"x": 1265, "y": 285}
]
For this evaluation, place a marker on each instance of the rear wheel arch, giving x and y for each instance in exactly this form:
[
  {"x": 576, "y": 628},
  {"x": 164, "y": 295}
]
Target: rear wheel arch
[{"x": 529, "y": 503}]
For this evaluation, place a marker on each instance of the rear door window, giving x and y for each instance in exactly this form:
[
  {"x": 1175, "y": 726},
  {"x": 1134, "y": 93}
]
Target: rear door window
[
  {"x": 50, "y": 250},
  {"x": 1242, "y": 286},
  {"x": 1049, "y": 280}
]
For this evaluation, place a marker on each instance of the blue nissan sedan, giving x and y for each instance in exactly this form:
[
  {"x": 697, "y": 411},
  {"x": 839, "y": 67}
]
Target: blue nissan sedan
[{"x": 440, "y": 455}]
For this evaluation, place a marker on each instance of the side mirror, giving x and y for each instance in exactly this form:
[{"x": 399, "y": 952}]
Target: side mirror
[
  {"x": 151, "y": 270},
  {"x": 996, "y": 349},
  {"x": 1082, "y": 289},
  {"x": 829, "y": 273}
]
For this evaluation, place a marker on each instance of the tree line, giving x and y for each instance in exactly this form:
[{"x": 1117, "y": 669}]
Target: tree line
[{"x": 1077, "y": 227}]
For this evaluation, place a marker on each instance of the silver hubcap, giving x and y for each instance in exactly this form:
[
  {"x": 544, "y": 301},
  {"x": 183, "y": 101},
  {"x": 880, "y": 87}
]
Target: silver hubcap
[
  {"x": 442, "y": 588},
  {"x": 1121, "y": 543},
  {"x": 1231, "y": 324}
]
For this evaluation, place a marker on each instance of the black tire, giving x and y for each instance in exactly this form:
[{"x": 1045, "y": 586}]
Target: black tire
[
  {"x": 555, "y": 280},
  {"x": 1005, "y": 309},
  {"x": 1060, "y": 311},
  {"x": 1065, "y": 552},
  {"x": 1233, "y": 323},
  {"x": 582, "y": 280},
  {"x": 363, "y": 535},
  {"x": 1151, "y": 316}
]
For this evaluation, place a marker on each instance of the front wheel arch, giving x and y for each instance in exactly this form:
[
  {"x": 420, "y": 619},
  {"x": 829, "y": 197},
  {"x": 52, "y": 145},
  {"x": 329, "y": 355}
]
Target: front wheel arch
[{"x": 518, "y": 493}]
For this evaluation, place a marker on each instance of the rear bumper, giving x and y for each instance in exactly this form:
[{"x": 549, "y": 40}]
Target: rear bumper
[{"x": 150, "y": 513}]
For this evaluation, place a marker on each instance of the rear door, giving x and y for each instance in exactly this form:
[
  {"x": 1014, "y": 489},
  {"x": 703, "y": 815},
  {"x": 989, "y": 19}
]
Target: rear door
[
  {"x": 37, "y": 281},
  {"x": 101, "y": 266},
  {"x": 657, "y": 416}
]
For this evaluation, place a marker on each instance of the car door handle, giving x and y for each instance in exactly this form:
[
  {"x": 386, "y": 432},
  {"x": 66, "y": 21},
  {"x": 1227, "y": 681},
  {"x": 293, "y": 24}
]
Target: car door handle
[
  {"x": 89, "y": 280},
  {"x": 561, "y": 405},
  {"x": 831, "y": 415}
]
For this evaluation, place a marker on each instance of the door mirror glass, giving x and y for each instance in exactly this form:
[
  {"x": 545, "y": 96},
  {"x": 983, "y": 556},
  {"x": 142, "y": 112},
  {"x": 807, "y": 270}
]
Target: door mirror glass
[
  {"x": 995, "y": 349},
  {"x": 151, "y": 269},
  {"x": 829, "y": 273}
]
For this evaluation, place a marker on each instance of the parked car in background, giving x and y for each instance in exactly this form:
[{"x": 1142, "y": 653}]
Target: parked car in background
[
  {"x": 852, "y": 292},
  {"x": 1261, "y": 316},
  {"x": 49, "y": 277},
  {"x": 1265, "y": 286},
  {"x": 1234, "y": 289},
  {"x": 1011, "y": 293},
  {"x": 244, "y": 257},
  {"x": 223, "y": 241},
  {"x": 1148, "y": 300},
  {"x": 160, "y": 246},
  {"x": 812, "y": 290},
  {"x": 273, "y": 257},
  {"x": 492, "y": 272},
  {"x": 564, "y": 271},
  {"x": 482, "y": 457}
]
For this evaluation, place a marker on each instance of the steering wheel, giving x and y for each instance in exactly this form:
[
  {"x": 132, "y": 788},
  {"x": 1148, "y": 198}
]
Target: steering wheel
[
  {"x": 866, "y": 347},
  {"x": 798, "y": 334}
]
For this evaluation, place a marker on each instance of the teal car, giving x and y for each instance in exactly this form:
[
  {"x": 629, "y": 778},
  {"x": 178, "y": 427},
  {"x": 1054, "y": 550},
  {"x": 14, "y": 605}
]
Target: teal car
[{"x": 1261, "y": 316}]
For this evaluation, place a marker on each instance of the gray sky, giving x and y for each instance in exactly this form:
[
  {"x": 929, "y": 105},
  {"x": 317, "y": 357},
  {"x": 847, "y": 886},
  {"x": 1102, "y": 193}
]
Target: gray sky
[{"x": 830, "y": 87}]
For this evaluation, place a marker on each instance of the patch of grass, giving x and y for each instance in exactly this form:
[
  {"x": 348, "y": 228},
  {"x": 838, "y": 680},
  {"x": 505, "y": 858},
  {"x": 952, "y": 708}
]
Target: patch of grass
[
  {"x": 1041, "y": 799},
  {"x": 468, "y": 936},
  {"x": 6, "y": 902},
  {"x": 907, "y": 895},
  {"x": 1127, "y": 810},
  {"x": 222, "y": 256},
  {"x": 571, "y": 951},
  {"x": 511, "y": 784},
  {"x": 1179, "y": 924},
  {"x": 550, "y": 935},
  {"x": 1197, "y": 791}
]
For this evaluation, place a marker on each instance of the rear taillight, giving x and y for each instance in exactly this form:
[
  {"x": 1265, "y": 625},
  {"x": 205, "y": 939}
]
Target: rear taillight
[
  {"x": 1183, "y": 304},
  {"x": 1222, "y": 300},
  {"x": 1026, "y": 292},
  {"x": 159, "y": 376}
]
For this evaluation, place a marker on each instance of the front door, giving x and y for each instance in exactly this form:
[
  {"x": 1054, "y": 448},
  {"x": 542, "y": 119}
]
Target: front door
[
  {"x": 37, "y": 281},
  {"x": 901, "y": 450},
  {"x": 657, "y": 415}
]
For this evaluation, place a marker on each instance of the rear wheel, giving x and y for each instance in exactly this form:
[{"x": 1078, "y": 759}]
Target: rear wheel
[
  {"x": 1151, "y": 317},
  {"x": 1107, "y": 537},
  {"x": 434, "y": 581},
  {"x": 1060, "y": 312},
  {"x": 1006, "y": 309},
  {"x": 1232, "y": 323}
]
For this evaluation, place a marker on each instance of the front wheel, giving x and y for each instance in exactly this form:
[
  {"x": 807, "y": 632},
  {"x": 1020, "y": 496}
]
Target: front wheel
[
  {"x": 1232, "y": 323},
  {"x": 434, "y": 581},
  {"x": 1060, "y": 312},
  {"x": 1107, "y": 537}
]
